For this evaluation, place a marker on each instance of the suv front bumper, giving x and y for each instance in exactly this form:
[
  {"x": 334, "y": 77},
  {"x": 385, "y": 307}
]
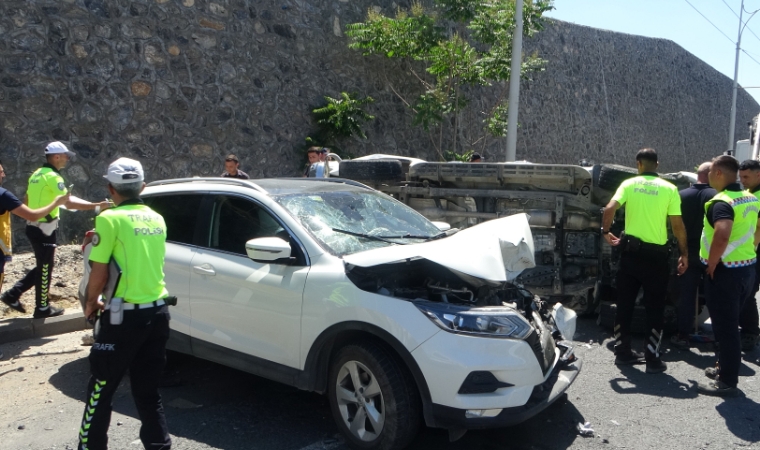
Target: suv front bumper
[{"x": 543, "y": 395}]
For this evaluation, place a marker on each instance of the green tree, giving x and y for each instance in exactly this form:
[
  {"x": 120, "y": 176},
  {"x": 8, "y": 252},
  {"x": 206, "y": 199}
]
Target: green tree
[
  {"x": 340, "y": 118},
  {"x": 451, "y": 47}
]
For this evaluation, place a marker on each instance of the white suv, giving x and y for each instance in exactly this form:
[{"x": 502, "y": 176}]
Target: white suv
[{"x": 330, "y": 286}]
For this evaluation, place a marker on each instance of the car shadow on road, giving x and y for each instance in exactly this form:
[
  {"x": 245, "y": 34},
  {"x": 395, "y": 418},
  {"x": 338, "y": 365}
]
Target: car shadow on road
[
  {"x": 562, "y": 418},
  {"x": 226, "y": 408}
]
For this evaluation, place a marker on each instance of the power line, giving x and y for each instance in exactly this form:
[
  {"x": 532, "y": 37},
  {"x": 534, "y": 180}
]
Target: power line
[
  {"x": 705, "y": 17},
  {"x": 737, "y": 16},
  {"x": 721, "y": 31}
]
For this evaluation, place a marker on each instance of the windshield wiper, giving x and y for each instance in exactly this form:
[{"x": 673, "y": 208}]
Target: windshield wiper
[
  {"x": 363, "y": 235},
  {"x": 385, "y": 238}
]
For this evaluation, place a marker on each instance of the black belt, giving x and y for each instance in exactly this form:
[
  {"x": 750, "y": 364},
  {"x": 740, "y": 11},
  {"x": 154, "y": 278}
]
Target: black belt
[{"x": 126, "y": 306}]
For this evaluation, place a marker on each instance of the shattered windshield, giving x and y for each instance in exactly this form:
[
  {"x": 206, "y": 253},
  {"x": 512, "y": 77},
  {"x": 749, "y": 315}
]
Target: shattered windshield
[{"x": 348, "y": 222}]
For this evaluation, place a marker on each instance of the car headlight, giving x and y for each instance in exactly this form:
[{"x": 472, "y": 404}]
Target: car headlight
[{"x": 497, "y": 321}]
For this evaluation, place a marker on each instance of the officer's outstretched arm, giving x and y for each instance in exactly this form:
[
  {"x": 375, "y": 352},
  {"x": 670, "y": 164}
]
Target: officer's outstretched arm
[{"x": 83, "y": 205}]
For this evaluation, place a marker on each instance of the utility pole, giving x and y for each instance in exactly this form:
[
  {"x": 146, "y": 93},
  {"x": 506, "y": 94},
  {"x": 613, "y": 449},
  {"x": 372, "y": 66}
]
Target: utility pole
[
  {"x": 732, "y": 121},
  {"x": 514, "y": 83}
]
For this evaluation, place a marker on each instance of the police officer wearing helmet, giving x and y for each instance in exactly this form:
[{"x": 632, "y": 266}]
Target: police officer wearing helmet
[
  {"x": 45, "y": 184},
  {"x": 649, "y": 203},
  {"x": 135, "y": 322},
  {"x": 729, "y": 237}
]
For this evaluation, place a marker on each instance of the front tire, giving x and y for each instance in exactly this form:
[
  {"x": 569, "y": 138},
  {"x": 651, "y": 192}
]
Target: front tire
[{"x": 373, "y": 399}]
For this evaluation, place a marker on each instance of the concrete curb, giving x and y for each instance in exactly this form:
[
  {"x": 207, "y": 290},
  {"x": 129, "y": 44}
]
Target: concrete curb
[{"x": 19, "y": 328}]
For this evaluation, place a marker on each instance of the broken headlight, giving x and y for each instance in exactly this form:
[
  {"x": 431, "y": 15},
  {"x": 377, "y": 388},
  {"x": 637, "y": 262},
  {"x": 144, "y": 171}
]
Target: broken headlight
[{"x": 500, "y": 322}]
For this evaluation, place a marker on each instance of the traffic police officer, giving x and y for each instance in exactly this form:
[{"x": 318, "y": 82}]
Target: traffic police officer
[
  {"x": 45, "y": 185},
  {"x": 135, "y": 322},
  {"x": 649, "y": 202},
  {"x": 729, "y": 237},
  {"x": 749, "y": 320},
  {"x": 9, "y": 203}
]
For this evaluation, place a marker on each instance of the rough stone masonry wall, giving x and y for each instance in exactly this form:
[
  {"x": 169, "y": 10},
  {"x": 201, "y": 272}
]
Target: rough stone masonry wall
[{"x": 178, "y": 84}]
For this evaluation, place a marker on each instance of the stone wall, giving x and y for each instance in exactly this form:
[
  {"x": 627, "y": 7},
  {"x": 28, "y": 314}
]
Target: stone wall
[{"x": 178, "y": 84}]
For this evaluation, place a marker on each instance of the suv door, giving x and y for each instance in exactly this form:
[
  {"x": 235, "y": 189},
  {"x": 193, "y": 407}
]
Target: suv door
[
  {"x": 240, "y": 304},
  {"x": 180, "y": 212}
]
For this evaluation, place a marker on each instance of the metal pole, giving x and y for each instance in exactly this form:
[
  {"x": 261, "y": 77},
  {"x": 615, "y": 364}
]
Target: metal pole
[
  {"x": 732, "y": 121},
  {"x": 514, "y": 83}
]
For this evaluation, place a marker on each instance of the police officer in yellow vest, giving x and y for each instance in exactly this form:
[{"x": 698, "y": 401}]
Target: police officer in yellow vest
[
  {"x": 9, "y": 203},
  {"x": 749, "y": 318},
  {"x": 649, "y": 202},
  {"x": 729, "y": 237},
  {"x": 45, "y": 185},
  {"x": 135, "y": 322}
]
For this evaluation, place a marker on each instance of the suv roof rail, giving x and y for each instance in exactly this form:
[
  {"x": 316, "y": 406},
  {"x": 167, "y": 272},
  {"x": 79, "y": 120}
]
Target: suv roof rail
[
  {"x": 250, "y": 183},
  {"x": 220, "y": 180},
  {"x": 332, "y": 180}
]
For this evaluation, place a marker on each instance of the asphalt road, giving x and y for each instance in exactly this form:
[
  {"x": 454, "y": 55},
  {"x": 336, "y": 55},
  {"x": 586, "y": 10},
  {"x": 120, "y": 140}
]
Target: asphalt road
[{"x": 212, "y": 407}]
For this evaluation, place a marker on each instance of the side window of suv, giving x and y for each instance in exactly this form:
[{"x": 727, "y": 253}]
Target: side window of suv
[
  {"x": 180, "y": 214},
  {"x": 236, "y": 220}
]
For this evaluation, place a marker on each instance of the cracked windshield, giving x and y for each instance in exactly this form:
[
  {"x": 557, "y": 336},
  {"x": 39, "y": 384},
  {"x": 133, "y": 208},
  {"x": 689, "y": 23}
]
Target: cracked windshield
[{"x": 352, "y": 222}]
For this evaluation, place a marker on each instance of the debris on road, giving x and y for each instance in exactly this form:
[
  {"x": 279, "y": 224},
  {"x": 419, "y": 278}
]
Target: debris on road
[{"x": 584, "y": 429}]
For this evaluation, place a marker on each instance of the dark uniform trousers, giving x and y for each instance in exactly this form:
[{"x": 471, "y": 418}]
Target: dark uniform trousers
[
  {"x": 749, "y": 320},
  {"x": 138, "y": 344},
  {"x": 690, "y": 282},
  {"x": 650, "y": 270},
  {"x": 40, "y": 277},
  {"x": 726, "y": 292}
]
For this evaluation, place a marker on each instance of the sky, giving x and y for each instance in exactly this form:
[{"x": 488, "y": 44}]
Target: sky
[{"x": 681, "y": 22}]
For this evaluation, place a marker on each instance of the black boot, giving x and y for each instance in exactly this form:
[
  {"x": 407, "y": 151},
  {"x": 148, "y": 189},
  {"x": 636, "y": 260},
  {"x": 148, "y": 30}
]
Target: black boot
[
  {"x": 654, "y": 363},
  {"x": 623, "y": 353}
]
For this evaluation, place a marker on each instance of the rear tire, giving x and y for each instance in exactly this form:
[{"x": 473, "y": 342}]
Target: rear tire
[
  {"x": 373, "y": 399},
  {"x": 610, "y": 176}
]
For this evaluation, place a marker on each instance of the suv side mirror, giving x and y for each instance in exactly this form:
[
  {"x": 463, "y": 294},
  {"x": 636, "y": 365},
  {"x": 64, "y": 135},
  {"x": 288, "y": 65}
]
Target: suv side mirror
[{"x": 269, "y": 250}]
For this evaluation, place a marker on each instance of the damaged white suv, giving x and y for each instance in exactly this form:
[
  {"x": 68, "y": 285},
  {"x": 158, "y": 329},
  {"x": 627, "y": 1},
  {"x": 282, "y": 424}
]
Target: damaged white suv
[{"x": 331, "y": 286}]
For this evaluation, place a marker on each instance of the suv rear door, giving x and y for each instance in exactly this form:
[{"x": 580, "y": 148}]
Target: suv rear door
[{"x": 238, "y": 303}]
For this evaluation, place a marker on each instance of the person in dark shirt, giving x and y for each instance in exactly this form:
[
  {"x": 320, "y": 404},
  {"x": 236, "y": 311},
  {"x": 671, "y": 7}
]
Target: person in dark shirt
[
  {"x": 9, "y": 203},
  {"x": 693, "y": 200},
  {"x": 749, "y": 320},
  {"x": 231, "y": 170}
]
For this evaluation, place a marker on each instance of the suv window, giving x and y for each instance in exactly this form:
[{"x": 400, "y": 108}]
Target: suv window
[
  {"x": 180, "y": 214},
  {"x": 236, "y": 220}
]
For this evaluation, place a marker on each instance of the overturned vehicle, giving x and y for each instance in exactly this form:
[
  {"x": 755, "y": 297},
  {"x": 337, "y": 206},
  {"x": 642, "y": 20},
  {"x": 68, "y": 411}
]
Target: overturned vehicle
[{"x": 574, "y": 264}]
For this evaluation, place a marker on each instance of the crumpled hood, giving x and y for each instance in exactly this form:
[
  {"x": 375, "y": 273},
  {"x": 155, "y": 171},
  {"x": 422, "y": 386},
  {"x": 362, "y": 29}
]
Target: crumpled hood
[{"x": 497, "y": 250}]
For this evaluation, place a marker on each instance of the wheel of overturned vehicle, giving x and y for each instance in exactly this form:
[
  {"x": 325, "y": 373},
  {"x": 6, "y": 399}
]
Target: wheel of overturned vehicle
[
  {"x": 609, "y": 176},
  {"x": 379, "y": 170},
  {"x": 373, "y": 399}
]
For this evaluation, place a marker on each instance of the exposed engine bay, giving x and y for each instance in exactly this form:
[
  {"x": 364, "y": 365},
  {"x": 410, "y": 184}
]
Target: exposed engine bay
[{"x": 420, "y": 278}]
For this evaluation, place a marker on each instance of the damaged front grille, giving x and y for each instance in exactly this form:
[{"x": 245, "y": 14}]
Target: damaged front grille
[{"x": 542, "y": 344}]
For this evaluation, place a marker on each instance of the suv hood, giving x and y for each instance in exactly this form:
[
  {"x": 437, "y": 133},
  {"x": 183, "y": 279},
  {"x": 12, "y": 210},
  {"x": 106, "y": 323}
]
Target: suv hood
[{"x": 497, "y": 250}]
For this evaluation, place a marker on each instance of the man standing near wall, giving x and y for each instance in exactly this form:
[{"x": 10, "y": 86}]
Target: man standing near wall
[
  {"x": 749, "y": 174},
  {"x": 728, "y": 250},
  {"x": 649, "y": 202},
  {"x": 45, "y": 185},
  {"x": 693, "y": 200},
  {"x": 232, "y": 168}
]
